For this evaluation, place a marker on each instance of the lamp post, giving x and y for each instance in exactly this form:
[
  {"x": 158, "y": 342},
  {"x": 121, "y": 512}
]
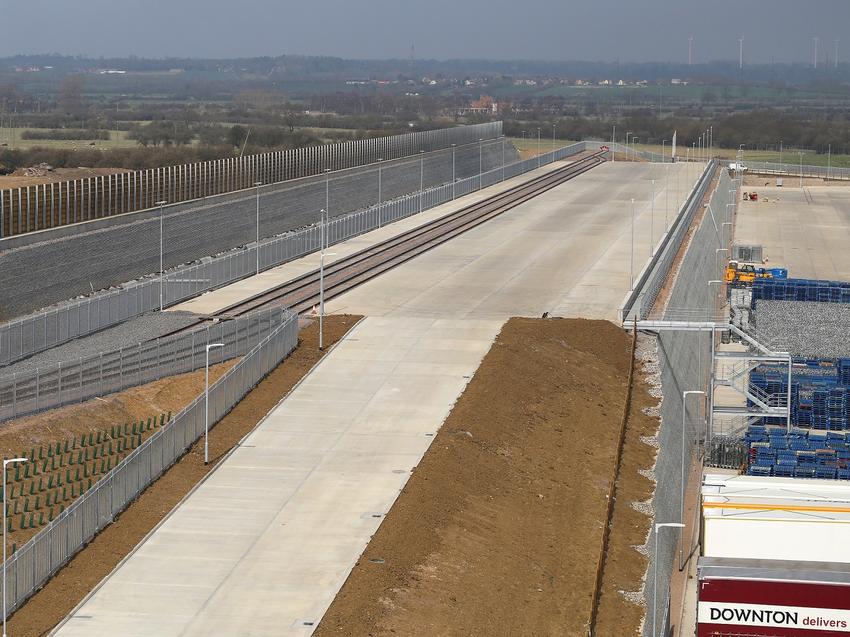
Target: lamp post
[
  {"x": 632, "y": 252},
  {"x": 658, "y": 526},
  {"x": 634, "y": 148},
  {"x": 380, "y": 195},
  {"x": 716, "y": 252},
  {"x": 538, "y": 147},
  {"x": 801, "y": 170},
  {"x": 6, "y": 463},
  {"x": 454, "y": 147},
  {"x": 421, "y": 177},
  {"x": 503, "y": 158},
  {"x": 666, "y": 194},
  {"x": 160, "y": 204},
  {"x": 613, "y": 141},
  {"x": 327, "y": 172},
  {"x": 663, "y": 143},
  {"x": 480, "y": 163},
  {"x": 207, "y": 401},
  {"x": 322, "y": 297},
  {"x": 685, "y": 395},
  {"x": 780, "y": 155},
  {"x": 652, "y": 222},
  {"x": 553, "y": 142},
  {"x": 258, "y": 184}
]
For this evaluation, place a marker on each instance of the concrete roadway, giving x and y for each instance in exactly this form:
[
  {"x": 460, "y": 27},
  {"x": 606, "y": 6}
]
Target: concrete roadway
[
  {"x": 264, "y": 544},
  {"x": 808, "y": 235}
]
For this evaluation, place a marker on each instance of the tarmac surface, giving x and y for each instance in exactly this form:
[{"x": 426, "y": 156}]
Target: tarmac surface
[{"x": 264, "y": 544}]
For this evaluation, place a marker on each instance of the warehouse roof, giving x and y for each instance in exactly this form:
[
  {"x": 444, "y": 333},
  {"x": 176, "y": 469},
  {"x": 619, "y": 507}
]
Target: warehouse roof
[
  {"x": 770, "y": 498},
  {"x": 780, "y": 570}
]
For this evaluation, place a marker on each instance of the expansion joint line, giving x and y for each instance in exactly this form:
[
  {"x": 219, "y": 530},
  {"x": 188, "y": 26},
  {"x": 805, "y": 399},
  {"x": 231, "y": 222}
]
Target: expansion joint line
[{"x": 612, "y": 492}]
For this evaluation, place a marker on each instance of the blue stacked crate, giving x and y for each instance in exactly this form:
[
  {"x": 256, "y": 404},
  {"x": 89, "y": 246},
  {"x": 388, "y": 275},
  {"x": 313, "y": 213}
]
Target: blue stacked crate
[
  {"x": 800, "y": 290},
  {"x": 826, "y": 464},
  {"x": 844, "y": 372},
  {"x": 836, "y": 408},
  {"x": 820, "y": 420}
]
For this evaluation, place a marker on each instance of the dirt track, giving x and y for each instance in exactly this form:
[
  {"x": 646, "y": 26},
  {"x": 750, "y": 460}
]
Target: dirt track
[{"x": 498, "y": 531}]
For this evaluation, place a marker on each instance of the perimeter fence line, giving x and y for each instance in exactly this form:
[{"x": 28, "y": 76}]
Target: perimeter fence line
[
  {"x": 790, "y": 169},
  {"x": 31, "y": 208},
  {"x": 74, "y": 381},
  {"x": 650, "y": 280},
  {"x": 40, "y": 331},
  {"x": 52, "y": 547},
  {"x": 685, "y": 359}
]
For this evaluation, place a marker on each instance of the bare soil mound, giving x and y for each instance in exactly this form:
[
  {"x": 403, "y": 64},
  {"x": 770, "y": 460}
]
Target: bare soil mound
[{"x": 498, "y": 532}]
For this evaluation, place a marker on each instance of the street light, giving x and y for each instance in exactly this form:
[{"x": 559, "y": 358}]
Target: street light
[
  {"x": 207, "y": 402},
  {"x": 480, "y": 164},
  {"x": 538, "y": 147},
  {"x": 718, "y": 289},
  {"x": 685, "y": 395},
  {"x": 801, "y": 170},
  {"x": 454, "y": 147},
  {"x": 503, "y": 158},
  {"x": 421, "y": 177},
  {"x": 632, "y": 254},
  {"x": 666, "y": 194},
  {"x": 658, "y": 526},
  {"x": 322, "y": 297},
  {"x": 652, "y": 222},
  {"x": 553, "y": 142},
  {"x": 327, "y": 172},
  {"x": 6, "y": 462},
  {"x": 380, "y": 198},
  {"x": 716, "y": 252},
  {"x": 258, "y": 184},
  {"x": 160, "y": 204}
]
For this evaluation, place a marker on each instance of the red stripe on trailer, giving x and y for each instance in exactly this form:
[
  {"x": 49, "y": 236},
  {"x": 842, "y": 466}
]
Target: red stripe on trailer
[
  {"x": 742, "y": 591},
  {"x": 726, "y": 630}
]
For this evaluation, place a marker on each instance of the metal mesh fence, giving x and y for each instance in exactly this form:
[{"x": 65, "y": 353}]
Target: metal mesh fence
[
  {"x": 78, "y": 380},
  {"x": 35, "y": 333},
  {"x": 685, "y": 361},
  {"x": 32, "y": 208},
  {"x": 31, "y": 566},
  {"x": 790, "y": 169},
  {"x": 651, "y": 279}
]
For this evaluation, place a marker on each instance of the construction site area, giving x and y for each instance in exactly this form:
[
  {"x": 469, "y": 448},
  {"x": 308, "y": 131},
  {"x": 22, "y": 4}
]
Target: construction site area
[{"x": 443, "y": 388}]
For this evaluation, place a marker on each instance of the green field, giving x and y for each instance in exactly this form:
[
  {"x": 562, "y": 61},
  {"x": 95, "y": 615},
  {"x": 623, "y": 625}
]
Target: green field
[
  {"x": 789, "y": 156},
  {"x": 117, "y": 139}
]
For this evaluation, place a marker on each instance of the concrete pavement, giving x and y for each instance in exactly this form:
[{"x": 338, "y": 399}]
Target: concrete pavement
[{"x": 264, "y": 544}]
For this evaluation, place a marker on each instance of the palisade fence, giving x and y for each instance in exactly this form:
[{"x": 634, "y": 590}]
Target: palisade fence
[
  {"x": 31, "y": 208},
  {"x": 649, "y": 282},
  {"x": 74, "y": 381},
  {"x": 37, "y": 560},
  {"x": 23, "y": 337}
]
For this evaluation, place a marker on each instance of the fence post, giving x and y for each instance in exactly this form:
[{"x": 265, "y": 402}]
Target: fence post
[{"x": 59, "y": 381}]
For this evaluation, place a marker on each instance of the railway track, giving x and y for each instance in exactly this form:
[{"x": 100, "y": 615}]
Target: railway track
[{"x": 302, "y": 293}]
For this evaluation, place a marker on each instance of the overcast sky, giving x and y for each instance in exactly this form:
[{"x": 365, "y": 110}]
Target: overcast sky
[{"x": 597, "y": 30}]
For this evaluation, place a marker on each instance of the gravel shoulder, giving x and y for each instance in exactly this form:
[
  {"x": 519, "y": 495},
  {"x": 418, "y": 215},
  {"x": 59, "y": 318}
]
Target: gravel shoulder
[
  {"x": 498, "y": 532},
  {"x": 137, "y": 330}
]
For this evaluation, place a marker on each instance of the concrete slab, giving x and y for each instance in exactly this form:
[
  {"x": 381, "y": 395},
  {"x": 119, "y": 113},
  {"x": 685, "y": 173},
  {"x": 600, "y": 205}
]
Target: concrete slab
[
  {"x": 805, "y": 230},
  {"x": 567, "y": 251},
  {"x": 264, "y": 544},
  {"x": 214, "y": 301}
]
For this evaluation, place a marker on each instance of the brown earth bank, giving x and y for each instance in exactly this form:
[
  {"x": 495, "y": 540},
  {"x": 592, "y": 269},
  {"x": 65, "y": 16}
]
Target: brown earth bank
[
  {"x": 20, "y": 177},
  {"x": 71, "y": 448},
  {"x": 71, "y": 584},
  {"x": 498, "y": 532}
]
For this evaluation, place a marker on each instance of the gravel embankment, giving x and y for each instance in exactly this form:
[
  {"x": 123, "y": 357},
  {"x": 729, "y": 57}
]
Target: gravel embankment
[
  {"x": 40, "y": 274},
  {"x": 137, "y": 330}
]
